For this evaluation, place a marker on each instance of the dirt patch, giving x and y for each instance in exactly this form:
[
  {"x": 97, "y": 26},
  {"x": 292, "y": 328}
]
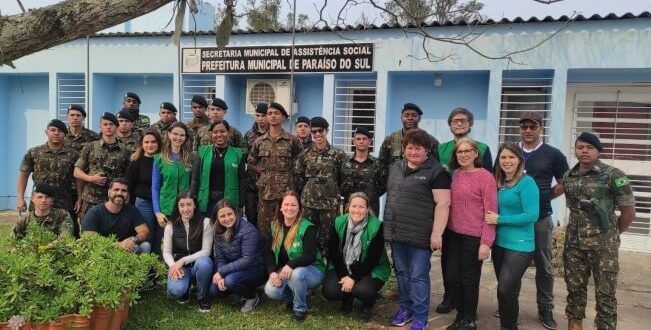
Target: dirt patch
[{"x": 8, "y": 217}]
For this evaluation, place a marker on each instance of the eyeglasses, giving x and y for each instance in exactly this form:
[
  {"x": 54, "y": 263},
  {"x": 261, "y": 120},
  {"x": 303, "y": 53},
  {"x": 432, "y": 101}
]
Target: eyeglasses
[
  {"x": 465, "y": 152},
  {"x": 529, "y": 127},
  {"x": 318, "y": 131},
  {"x": 459, "y": 121}
]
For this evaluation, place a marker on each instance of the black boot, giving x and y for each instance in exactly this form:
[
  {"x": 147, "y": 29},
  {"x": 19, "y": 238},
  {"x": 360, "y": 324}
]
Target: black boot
[{"x": 445, "y": 306}]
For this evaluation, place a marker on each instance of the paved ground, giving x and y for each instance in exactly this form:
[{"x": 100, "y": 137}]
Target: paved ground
[{"x": 634, "y": 296}]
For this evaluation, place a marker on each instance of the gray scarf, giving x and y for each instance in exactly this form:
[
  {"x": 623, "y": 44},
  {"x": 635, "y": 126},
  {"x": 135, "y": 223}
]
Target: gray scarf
[{"x": 353, "y": 246}]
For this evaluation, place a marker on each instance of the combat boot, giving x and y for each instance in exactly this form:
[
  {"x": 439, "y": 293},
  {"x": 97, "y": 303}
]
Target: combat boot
[{"x": 574, "y": 324}]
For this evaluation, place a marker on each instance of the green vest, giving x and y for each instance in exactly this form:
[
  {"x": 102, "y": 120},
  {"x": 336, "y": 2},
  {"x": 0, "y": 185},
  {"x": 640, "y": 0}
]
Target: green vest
[
  {"x": 175, "y": 178},
  {"x": 296, "y": 250},
  {"x": 232, "y": 160},
  {"x": 382, "y": 270},
  {"x": 445, "y": 152}
]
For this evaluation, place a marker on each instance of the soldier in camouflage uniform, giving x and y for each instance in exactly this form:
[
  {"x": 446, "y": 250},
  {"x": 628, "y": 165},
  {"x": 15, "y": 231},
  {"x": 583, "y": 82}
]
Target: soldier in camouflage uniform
[
  {"x": 54, "y": 219},
  {"x": 78, "y": 135},
  {"x": 126, "y": 135},
  {"x": 391, "y": 149},
  {"x": 167, "y": 117},
  {"x": 52, "y": 163},
  {"x": 132, "y": 103},
  {"x": 318, "y": 178},
  {"x": 99, "y": 163},
  {"x": 272, "y": 157},
  {"x": 216, "y": 112},
  {"x": 593, "y": 191},
  {"x": 198, "y": 105},
  {"x": 361, "y": 172},
  {"x": 303, "y": 132},
  {"x": 259, "y": 128}
]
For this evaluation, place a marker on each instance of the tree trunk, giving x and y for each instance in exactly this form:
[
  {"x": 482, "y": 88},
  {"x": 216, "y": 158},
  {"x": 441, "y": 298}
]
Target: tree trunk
[{"x": 68, "y": 20}]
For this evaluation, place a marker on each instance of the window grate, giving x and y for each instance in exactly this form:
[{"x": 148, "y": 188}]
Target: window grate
[
  {"x": 195, "y": 84},
  {"x": 519, "y": 95},
  {"x": 354, "y": 106},
  {"x": 71, "y": 89}
]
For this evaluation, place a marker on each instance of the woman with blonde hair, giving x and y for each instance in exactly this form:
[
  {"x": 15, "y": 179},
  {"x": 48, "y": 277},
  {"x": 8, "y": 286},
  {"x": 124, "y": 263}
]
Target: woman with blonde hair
[{"x": 294, "y": 263}]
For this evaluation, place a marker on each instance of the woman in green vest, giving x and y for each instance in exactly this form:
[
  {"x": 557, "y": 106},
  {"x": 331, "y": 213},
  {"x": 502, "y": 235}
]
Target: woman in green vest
[
  {"x": 172, "y": 171},
  {"x": 294, "y": 264},
  {"x": 358, "y": 264},
  {"x": 218, "y": 172}
]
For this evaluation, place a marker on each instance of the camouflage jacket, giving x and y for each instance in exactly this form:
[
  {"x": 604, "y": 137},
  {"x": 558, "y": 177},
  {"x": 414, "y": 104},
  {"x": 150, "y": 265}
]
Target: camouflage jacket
[
  {"x": 592, "y": 198},
  {"x": 276, "y": 155},
  {"x": 194, "y": 126},
  {"x": 249, "y": 138},
  {"x": 204, "y": 137},
  {"x": 100, "y": 157},
  {"x": 308, "y": 143},
  {"x": 318, "y": 176},
  {"x": 58, "y": 221},
  {"x": 391, "y": 149},
  {"x": 54, "y": 167},
  {"x": 78, "y": 141},
  {"x": 141, "y": 123},
  {"x": 131, "y": 141},
  {"x": 367, "y": 177}
]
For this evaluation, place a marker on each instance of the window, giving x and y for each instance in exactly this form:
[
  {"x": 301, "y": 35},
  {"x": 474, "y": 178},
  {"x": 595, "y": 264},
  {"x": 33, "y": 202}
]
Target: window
[
  {"x": 196, "y": 84},
  {"x": 71, "y": 89},
  {"x": 522, "y": 93},
  {"x": 354, "y": 107}
]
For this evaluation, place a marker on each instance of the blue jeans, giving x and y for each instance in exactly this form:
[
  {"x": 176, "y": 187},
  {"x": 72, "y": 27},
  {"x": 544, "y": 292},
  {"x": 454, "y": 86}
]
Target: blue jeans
[
  {"x": 156, "y": 232},
  {"x": 242, "y": 283},
  {"x": 143, "y": 247},
  {"x": 302, "y": 279},
  {"x": 412, "y": 266},
  {"x": 200, "y": 271}
]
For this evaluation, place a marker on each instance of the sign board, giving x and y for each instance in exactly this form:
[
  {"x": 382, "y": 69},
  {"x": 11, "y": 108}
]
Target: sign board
[{"x": 278, "y": 59}]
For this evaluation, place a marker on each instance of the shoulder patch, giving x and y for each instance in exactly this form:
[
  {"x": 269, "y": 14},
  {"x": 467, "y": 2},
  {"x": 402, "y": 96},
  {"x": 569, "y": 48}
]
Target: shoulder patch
[{"x": 623, "y": 181}]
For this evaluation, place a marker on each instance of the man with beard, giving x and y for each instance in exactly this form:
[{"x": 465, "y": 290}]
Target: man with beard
[
  {"x": 116, "y": 217},
  {"x": 57, "y": 221},
  {"x": 77, "y": 135},
  {"x": 259, "y": 128},
  {"x": 131, "y": 103},
  {"x": 167, "y": 116},
  {"x": 217, "y": 112},
  {"x": 198, "y": 105},
  {"x": 303, "y": 132}
]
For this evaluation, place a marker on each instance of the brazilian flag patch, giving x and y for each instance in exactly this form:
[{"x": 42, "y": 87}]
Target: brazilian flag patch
[{"x": 620, "y": 182}]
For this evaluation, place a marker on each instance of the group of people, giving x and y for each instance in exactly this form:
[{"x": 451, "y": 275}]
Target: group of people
[{"x": 233, "y": 212}]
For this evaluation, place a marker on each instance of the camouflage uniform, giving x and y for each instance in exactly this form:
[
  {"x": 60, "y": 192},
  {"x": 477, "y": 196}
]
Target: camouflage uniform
[
  {"x": 592, "y": 239},
  {"x": 100, "y": 157},
  {"x": 194, "y": 126},
  {"x": 308, "y": 143},
  {"x": 391, "y": 150},
  {"x": 251, "y": 207},
  {"x": 57, "y": 221},
  {"x": 204, "y": 137},
  {"x": 161, "y": 128},
  {"x": 142, "y": 122},
  {"x": 78, "y": 141},
  {"x": 318, "y": 175},
  {"x": 367, "y": 177},
  {"x": 131, "y": 142},
  {"x": 276, "y": 156}
]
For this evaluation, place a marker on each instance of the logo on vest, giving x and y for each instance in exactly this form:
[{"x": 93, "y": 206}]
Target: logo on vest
[{"x": 420, "y": 177}]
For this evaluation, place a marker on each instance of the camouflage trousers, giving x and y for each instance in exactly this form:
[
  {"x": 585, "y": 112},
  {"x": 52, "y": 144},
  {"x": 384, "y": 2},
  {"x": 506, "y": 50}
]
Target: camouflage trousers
[
  {"x": 323, "y": 220},
  {"x": 604, "y": 266},
  {"x": 266, "y": 214}
]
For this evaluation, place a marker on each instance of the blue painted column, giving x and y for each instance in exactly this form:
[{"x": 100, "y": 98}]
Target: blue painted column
[
  {"x": 381, "y": 102},
  {"x": 328, "y": 111},
  {"x": 494, "y": 104}
]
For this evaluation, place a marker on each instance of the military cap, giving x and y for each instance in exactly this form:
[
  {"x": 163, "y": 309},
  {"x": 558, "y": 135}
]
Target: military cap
[
  {"x": 319, "y": 122},
  {"x": 364, "y": 131},
  {"x": 278, "y": 107},
  {"x": 110, "y": 117},
  {"x": 303, "y": 119},
  {"x": 168, "y": 106},
  {"x": 591, "y": 139},
  {"x": 133, "y": 96},
  {"x": 533, "y": 116},
  {"x": 78, "y": 108},
  {"x": 261, "y": 108},
  {"x": 411, "y": 106},
  {"x": 219, "y": 103},
  {"x": 200, "y": 100},
  {"x": 45, "y": 189},
  {"x": 125, "y": 114},
  {"x": 58, "y": 124}
]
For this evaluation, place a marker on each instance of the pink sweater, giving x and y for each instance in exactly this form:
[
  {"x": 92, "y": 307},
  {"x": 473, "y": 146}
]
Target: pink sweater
[{"x": 473, "y": 193}]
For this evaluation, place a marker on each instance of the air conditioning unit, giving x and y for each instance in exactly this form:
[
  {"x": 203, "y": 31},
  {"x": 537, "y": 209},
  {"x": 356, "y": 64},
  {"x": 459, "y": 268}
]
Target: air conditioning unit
[{"x": 267, "y": 91}]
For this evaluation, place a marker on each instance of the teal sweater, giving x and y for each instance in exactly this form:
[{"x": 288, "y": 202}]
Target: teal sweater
[{"x": 518, "y": 212}]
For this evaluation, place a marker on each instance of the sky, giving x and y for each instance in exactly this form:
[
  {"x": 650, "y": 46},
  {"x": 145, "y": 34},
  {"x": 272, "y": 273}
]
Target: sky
[{"x": 495, "y": 9}]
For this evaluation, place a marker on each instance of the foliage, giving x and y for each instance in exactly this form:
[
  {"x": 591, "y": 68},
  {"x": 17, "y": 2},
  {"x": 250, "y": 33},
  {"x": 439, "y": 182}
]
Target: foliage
[
  {"x": 302, "y": 21},
  {"x": 263, "y": 14},
  {"x": 419, "y": 12}
]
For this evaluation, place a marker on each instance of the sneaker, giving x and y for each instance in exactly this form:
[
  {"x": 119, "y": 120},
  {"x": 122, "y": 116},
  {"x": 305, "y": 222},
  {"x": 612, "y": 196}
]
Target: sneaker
[
  {"x": 459, "y": 324},
  {"x": 184, "y": 298},
  {"x": 470, "y": 325},
  {"x": 204, "y": 305},
  {"x": 364, "y": 314},
  {"x": 250, "y": 304},
  {"x": 445, "y": 306},
  {"x": 547, "y": 319},
  {"x": 401, "y": 318},
  {"x": 299, "y": 316},
  {"x": 418, "y": 325},
  {"x": 346, "y": 306}
]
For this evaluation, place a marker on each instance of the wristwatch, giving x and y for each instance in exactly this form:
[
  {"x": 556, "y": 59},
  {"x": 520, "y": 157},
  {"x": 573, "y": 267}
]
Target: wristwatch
[{"x": 134, "y": 239}]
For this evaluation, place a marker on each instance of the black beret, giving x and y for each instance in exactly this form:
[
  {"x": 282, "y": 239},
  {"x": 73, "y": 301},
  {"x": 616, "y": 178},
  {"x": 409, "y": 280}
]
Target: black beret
[
  {"x": 261, "y": 108},
  {"x": 411, "y": 106},
  {"x": 111, "y": 117},
  {"x": 200, "y": 100},
  {"x": 125, "y": 114},
  {"x": 363, "y": 130},
  {"x": 133, "y": 96},
  {"x": 219, "y": 103},
  {"x": 58, "y": 124},
  {"x": 303, "y": 119},
  {"x": 45, "y": 189},
  {"x": 278, "y": 107},
  {"x": 168, "y": 106},
  {"x": 78, "y": 108},
  {"x": 591, "y": 139},
  {"x": 319, "y": 122}
]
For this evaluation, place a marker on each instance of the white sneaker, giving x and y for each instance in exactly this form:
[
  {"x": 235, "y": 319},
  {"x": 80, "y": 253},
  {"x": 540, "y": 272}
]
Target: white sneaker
[{"x": 250, "y": 304}]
